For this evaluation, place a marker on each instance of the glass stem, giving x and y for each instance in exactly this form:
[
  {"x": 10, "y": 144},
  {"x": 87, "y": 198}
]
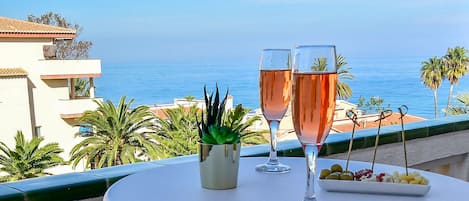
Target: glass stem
[
  {"x": 311, "y": 153},
  {"x": 273, "y": 124}
]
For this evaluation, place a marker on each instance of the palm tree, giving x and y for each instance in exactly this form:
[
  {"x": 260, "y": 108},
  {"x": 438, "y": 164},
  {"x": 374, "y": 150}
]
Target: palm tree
[
  {"x": 464, "y": 101},
  {"x": 189, "y": 98},
  {"x": 344, "y": 91},
  {"x": 319, "y": 64},
  {"x": 456, "y": 63},
  {"x": 82, "y": 87},
  {"x": 236, "y": 119},
  {"x": 119, "y": 135},
  {"x": 432, "y": 75},
  {"x": 177, "y": 134},
  {"x": 27, "y": 159}
]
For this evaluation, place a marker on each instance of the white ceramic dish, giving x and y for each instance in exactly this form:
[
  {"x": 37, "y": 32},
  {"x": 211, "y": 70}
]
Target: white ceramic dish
[{"x": 374, "y": 187}]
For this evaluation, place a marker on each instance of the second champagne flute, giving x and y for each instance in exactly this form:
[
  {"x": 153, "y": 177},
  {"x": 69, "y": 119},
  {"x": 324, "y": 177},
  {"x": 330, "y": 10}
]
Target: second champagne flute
[
  {"x": 313, "y": 105},
  {"x": 275, "y": 89}
]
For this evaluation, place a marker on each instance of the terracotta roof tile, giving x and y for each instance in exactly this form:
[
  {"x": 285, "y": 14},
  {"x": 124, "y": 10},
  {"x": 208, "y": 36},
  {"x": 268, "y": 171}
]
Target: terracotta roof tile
[
  {"x": 12, "y": 72},
  {"x": 18, "y": 28},
  {"x": 347, "y": 126},
  {"x": 161, "y": 112}
]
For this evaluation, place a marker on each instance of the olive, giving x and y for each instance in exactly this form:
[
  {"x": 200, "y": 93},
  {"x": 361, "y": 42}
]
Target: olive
[
  {"x": 336, "y": 168},
  {"x": 334, "y": 176},
  {"x": 324, "y": 173},
  {"x": 346, "y": 175}
]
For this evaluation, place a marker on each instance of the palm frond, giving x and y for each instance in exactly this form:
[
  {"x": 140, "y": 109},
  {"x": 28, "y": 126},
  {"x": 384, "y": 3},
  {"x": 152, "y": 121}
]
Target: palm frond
[
  {"x": 116, "y": 131},
  {"x": 28, "y": 159}
]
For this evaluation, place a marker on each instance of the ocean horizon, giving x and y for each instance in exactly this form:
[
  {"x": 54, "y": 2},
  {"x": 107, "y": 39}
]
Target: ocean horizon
[{"x": 396, "y": 80}]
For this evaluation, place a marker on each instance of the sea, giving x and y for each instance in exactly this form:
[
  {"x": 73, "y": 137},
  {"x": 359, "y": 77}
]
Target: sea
[{"x": 396, "y": 80}]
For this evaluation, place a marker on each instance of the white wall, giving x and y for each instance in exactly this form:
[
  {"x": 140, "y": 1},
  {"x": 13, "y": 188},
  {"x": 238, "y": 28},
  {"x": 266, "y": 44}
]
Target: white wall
[
  {"x": 18, "y": 52},
  {"x": 46, "y": 94},
  {"x": 14, "y": 111}
]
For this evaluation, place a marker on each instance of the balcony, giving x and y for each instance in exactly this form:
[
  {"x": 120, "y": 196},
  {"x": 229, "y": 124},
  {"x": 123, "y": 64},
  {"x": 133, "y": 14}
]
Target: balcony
[
  {"x": 73, "y": 108},
  {"x": 438, "y": 142},
  {"x": 64, "y": 69}
]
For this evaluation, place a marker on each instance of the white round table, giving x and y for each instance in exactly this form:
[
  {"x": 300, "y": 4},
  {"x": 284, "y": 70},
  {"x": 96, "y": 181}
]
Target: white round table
[{"x": 181, "y": 182}]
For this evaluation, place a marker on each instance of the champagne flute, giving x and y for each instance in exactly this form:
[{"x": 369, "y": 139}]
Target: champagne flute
[
  {"x": 313, "y": 102},
  {"x": 275, "y": 91}
]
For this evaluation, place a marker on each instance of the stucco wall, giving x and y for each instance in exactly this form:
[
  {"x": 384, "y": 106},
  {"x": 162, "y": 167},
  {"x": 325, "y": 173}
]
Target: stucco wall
[
  {"x": 18, "y": 52},
  {"x": 14, "y": 111}
]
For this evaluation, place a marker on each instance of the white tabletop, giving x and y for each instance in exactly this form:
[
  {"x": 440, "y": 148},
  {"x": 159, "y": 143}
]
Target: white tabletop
[{"x": 181, "y": 182}]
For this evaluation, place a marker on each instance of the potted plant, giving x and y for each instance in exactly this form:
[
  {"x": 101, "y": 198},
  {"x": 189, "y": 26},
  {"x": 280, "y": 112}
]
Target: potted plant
[{"x": 220, "y": 135}]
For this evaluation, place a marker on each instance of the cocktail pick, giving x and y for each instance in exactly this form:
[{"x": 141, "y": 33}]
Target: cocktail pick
[
  {"x": 383, "y": 115},
  {"x": 403, "y": 111},
  {"x": 353, "y": 117}
]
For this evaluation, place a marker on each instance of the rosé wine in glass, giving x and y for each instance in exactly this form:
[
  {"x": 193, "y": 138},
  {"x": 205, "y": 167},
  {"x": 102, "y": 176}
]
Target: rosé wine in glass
[
  {"x": 313, "y": 106},
  {"x": 275, "y": 92},
  {"x": 275, "y": 86}
]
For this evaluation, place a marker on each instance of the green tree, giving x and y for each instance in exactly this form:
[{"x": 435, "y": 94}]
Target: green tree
[
  {"x": 177, "y": 134},
  {"x": 66, "y": 49},
  {"x": 82, "y": 87},
  {"x": 120, "y": 135},
  {"x": 456, "y": 65},
  {"x": 189, "y": 98},
  {"x": 373, "y": 104},
  {"x": 319, "y": 64},
  {"x": 344, "y": 91},
  {"x": 27, "y": 159},
  {"x": 432, "y": 75},
  {"x": 464, "y": 102},
  {"x": 237, "y": 120}
]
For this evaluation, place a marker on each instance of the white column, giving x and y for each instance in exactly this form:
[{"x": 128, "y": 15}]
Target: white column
[{"x": 92, "y": 88}]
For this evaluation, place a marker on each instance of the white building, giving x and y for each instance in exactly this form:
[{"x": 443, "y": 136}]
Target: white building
[
  {"x": 160, "y": 109},
  {"x": 36, "y": 93}
]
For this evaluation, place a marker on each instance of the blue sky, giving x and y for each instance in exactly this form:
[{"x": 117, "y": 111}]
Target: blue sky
[{"x": 210, "y": 31}]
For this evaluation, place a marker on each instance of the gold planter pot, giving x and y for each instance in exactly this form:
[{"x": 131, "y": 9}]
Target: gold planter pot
[{"x": 219, "y": 165}]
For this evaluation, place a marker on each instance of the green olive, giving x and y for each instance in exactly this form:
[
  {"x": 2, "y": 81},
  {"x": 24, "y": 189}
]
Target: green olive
[
  {"x": 324, "y": 173},
  {"x": 334, "y": 176},
  {"x": 336, "y": 168},
  {"x": 346, "y": 175}
]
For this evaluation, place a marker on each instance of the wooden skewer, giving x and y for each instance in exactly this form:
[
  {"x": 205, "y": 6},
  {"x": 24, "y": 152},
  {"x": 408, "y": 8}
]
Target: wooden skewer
[
  {"x": 383, "y": 115},
  {"x": 353, "y": 117},
  {"x": 403, "y": 111}
]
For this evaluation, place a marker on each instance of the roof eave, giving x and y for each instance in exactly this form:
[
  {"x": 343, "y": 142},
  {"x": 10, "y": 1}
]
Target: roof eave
[{"x": 38, "y": 35}]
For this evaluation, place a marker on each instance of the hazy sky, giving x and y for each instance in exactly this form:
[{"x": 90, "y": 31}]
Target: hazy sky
[{"x": 235, "y": 31}]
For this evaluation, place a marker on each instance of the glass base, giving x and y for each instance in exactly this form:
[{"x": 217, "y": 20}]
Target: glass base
[
  {"x": 310, "y": 198},
  {"x": 273, "y": 168}
]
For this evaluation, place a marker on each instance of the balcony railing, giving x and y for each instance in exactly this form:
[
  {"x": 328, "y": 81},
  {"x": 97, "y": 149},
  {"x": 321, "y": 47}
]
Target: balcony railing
[
  {"x": 91, "y": 185},
  {"x": 71, "y": 108},
  {"x": 63, "y": 69}
]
